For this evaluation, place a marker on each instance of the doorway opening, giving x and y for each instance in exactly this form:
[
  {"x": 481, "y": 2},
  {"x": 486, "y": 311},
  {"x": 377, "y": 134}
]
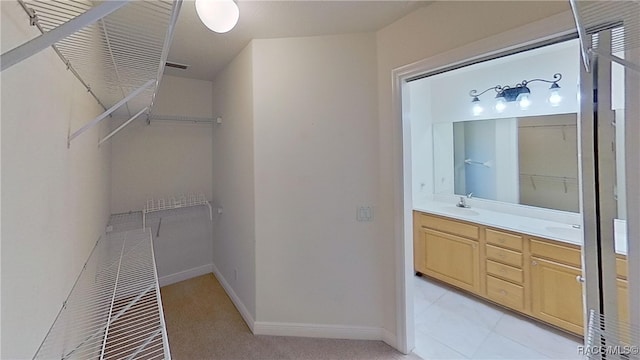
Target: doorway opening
[{"x": 493, "y": 160}]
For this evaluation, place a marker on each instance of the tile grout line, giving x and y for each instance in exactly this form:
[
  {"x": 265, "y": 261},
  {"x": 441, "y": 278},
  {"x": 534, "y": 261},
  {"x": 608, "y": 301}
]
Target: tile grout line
[
  {"x": 492, "y": 328},
  {"x": 443, "y": 344},
  {"x": 480, "y": 346},
  {"x": 517, "y": 341}
]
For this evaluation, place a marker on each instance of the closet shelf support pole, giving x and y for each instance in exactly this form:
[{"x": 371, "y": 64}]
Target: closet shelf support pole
[
  {"x": 123, "y": 125},
  {"x": 47, "y": 39},
  {"x": 177, "y": 5},
  {"x": 210, "y": 211},
  {"x": 95, "y": 121}
]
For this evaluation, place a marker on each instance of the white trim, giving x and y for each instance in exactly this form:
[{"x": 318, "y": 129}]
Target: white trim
[
  {"x": 389, "y": 338},
  {"x": 319, "y": 331},
  {"x": 242, "y": 309},
  {"x": 545, "y": 29},
  {"x": 185, "y": 275}
]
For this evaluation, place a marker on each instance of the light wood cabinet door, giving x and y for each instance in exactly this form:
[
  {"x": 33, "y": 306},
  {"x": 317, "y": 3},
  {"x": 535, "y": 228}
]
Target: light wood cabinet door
[
  {"x": 452, "y": 259},
  {"x": 556, "y": 295},
  {"x": 419, "y": 239}
]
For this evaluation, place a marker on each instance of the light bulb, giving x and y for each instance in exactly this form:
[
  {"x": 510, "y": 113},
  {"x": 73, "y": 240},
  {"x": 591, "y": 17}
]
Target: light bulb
[
  {"x": 477, "y": 109},
  {"x": 218, "y": 15},
  {"x": 555, "y": 98},
  {"x": 524, "y": 101},
  {"x": 500, "y": 104},
  {"x": 554, "y": 95}
]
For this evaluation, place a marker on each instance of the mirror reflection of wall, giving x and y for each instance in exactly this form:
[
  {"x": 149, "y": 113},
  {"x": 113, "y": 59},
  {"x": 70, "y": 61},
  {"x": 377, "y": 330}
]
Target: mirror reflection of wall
[
  {"x": 528, "y": 160},
  {"x": 485, "y": 159},
  {"x": 618, "y": 106},
  {"x": 548, "y": 158}
]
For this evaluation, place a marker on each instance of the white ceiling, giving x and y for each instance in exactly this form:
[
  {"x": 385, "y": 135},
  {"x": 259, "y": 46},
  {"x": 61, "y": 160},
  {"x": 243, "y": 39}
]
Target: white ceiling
[{"x": 207, "y": 52}]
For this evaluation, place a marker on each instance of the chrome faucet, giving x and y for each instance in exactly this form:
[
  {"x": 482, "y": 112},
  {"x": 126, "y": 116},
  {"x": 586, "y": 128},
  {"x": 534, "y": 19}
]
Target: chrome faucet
[{"x": 463, "y": 202}]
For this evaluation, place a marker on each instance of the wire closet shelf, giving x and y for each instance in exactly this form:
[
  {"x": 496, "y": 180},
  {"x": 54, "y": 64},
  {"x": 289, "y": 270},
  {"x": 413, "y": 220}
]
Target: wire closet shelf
[
  {"x": 621, "y": 17},
  {"x": 114, "y": 310},
  {"x": 119, "y": 57},
  {"x": 611, "y": 340},
  {"x": 171, "y": 203}
]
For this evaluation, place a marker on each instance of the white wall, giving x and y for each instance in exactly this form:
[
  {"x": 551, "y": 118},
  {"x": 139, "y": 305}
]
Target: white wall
[
  {"x": 182, "y": 243},
  {"x": 233, "y": 174},
  {"x": 55, "y": 200},
  {"x": 315, "y": 163},
  {"x": 427, "y": 32},
  {"x": 417, "y": 109},
  {"x": 165, "y": 158}
]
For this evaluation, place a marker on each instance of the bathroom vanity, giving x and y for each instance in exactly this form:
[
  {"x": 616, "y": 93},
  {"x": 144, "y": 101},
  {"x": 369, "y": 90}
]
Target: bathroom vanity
[{"x": 530, "y": 266}]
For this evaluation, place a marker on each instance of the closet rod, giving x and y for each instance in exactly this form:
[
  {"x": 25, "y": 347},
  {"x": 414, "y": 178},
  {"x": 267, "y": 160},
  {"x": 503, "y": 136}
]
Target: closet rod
[
  {"x": 548, "y": 126},
  {"x": 47, "y": 39},
  {"x": 549, "y": 177},
  {"x": 33, "y": 19},
  {"x": 178, "y": 118}
]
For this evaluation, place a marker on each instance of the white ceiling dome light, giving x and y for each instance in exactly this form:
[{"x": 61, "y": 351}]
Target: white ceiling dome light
[{"x": 218, "y": 15}]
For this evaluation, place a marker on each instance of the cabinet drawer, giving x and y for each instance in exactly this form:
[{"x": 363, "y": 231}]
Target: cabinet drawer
[
  {"x": 566, "y": 254},
  {"x": 505, "y": 293},
  {"x": 505, "y": 271},
  {"x": 449, "y": 226},
  {"x": 504, "y": 239},
  {"x": 621, "y": 268},
  {"x": 505, "y": 256}
]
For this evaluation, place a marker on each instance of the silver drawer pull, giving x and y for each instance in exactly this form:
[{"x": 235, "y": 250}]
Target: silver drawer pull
[
  {"x": 502, "y": 292},
  {"x": 534, "y": 263},
  {"x": 504, "y": 271},
  {"x": 580, "y": 279},
  {"x": 501, "y": 240}
]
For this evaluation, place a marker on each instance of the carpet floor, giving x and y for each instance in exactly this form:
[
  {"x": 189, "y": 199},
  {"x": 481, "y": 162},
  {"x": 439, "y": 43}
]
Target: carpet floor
[{"x": 202, "y": 323}]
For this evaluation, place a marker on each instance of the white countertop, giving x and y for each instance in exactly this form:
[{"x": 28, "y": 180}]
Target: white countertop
[{"x": 567, "y": 233}]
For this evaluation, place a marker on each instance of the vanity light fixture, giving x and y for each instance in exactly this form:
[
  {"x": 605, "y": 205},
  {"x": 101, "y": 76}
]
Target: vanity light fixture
[
  {"x": 218, "y": 15},
  {"x": 519, "y": 93}
]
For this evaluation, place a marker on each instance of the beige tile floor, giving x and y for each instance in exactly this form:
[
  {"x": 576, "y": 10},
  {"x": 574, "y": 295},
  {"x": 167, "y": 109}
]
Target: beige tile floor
[{"x": 452, "y": 325}]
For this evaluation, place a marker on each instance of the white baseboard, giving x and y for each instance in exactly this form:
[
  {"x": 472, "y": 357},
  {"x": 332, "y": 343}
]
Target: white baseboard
[
  {"x": 319, "y": 331},
  {"x": 185, "y": 275},
  {"x": 246, "y": 315},
  {"x": 389, "y": 338},
  {"x": 301, "y": 329}
]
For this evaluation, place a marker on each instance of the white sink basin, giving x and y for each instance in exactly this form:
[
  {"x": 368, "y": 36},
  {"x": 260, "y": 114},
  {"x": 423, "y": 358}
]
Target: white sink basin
[
  {"x": 460, "y": 211},
  {"x": 567, "y": 232}
]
